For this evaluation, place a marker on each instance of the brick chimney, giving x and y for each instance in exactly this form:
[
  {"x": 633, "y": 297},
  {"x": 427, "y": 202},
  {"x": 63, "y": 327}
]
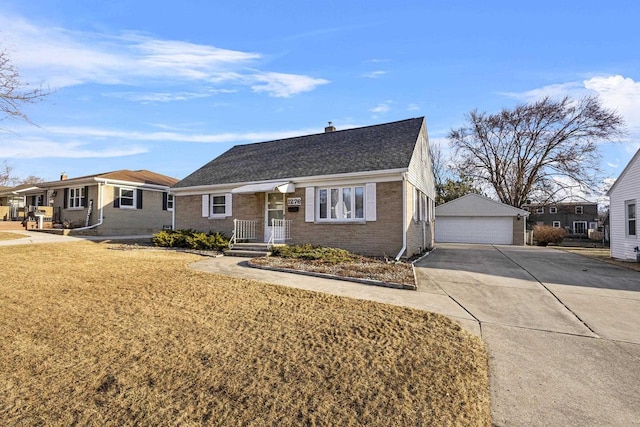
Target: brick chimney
[
  {"x": 63, "y": 176},
  {"x": 330, "y": 128}
]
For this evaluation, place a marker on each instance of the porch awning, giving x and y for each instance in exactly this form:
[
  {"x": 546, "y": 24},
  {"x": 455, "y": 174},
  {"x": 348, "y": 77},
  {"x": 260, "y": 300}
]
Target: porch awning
[{"x": 283, "y": 187}]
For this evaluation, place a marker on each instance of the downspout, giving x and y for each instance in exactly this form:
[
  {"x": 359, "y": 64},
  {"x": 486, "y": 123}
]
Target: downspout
[
  {"x": 404, "y": 216},
  {"x": 173, "y": 212},
  {"x": 100, "y": 198}
]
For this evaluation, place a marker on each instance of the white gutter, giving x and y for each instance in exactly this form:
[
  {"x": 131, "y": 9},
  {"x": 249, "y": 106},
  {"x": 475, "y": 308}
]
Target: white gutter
[
  {"x": 386, "y": 175},
  {"x": 404, "y": 216},
  {"x": 173, "y": 211}
]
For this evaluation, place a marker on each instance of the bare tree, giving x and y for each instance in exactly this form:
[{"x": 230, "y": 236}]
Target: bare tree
[
  {"x": 14, "y": 93},
  {"x": 438, "y": 163},
  {"x": 535, "y": 151},
  {"x": 6, "y": 179}
]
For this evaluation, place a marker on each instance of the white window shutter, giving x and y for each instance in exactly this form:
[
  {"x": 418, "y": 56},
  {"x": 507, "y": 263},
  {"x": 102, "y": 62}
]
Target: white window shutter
[
  {"x": 309, "y": 204},
  {"x": 370, "y": 194},
  {"x": 205, "y": 206},
  {"x": 227, "y": 204}
]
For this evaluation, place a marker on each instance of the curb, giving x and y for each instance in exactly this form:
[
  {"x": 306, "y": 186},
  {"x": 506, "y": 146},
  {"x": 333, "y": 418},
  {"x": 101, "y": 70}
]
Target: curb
[{"x": 334, "y": 277}]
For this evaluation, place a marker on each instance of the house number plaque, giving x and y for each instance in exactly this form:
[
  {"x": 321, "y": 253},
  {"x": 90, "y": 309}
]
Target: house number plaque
[{"x": 294, "y": 201}]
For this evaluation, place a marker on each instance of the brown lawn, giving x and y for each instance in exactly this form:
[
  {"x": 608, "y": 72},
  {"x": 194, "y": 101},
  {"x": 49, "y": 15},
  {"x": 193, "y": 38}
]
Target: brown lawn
[
  {"x": 92, "y": 336},
  {"x": 5, "y": 235}
]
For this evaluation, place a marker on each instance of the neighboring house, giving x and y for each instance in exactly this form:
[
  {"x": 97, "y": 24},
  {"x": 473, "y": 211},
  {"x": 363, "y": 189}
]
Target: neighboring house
[
  {"x": 369, "y": 190},
  {"x": 624, "y": 197},
  {"x": 12, "y": 202},
  {"x": 123, "y": 202},
  {"x": 576, "y": 218},
  {"x": 473, "y": 218}
]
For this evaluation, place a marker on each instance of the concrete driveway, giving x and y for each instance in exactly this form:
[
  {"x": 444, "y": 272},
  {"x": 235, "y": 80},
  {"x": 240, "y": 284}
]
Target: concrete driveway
[{"x": 563, "y": 331}]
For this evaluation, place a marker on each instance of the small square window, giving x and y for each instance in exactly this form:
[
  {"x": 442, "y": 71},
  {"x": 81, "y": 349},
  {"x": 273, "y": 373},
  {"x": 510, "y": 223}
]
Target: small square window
[
  {"x": 218, "y": 205},
  {"x": 579, "y": 210},
  {"x": 553, "y": 210},
  {"x": 556, "y": 224},
  {"x": 540, "y": 210}
]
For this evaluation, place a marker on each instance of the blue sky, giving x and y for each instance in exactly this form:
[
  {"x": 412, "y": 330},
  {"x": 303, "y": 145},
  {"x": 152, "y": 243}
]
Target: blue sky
[{"x": 168, "y": 86}]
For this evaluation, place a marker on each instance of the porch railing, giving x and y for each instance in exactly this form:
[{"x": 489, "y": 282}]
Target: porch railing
[
  {"x": 280, "y": 231},
  {"x": 243, "y": 229}
]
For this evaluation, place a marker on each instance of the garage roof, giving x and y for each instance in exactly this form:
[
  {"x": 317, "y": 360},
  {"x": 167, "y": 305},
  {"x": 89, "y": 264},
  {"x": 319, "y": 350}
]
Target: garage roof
[{"x": 474, "y": 205}]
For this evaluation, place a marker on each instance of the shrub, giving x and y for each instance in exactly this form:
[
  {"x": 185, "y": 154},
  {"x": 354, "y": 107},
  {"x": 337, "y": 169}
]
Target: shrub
[
  {"x": 309, "y": 252},
  {"x": 544, "y": 234},
  {"x": 191, "y": 239}
]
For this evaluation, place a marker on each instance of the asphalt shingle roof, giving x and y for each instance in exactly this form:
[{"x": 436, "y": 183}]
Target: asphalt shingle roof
[
  {"x": 371, "y": 148},
  {"x": 140, "y": 176}
]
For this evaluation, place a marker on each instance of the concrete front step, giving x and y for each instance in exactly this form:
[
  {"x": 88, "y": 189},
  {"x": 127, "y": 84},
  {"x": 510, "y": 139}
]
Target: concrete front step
[{"x": 247, "y": 253}]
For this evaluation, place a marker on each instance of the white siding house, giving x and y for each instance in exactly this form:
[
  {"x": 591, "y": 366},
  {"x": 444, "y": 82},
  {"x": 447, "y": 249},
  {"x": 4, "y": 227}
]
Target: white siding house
[{"x": 623, "y": 211}]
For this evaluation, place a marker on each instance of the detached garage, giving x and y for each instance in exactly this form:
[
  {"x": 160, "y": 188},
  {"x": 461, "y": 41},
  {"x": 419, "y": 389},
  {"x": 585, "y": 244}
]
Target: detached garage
[{"x": 477, "y": 219}]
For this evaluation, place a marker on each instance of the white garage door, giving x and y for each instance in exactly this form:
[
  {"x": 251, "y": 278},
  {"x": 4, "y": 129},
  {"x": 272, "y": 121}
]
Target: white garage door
[{"x": 474, "y": 230}]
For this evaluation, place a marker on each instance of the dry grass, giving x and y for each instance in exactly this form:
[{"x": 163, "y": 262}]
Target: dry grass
[
  {"x": 602, "y": 254},
  {"x": 92, "y": 336},
  {"x": 5, "y": 235},
  {"x": 361, "y": 268}
]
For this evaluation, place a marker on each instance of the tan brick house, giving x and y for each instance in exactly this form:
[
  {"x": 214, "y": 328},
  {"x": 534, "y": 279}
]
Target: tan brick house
[
  {"x": 122, "y": 202},
  {"x": 368, "y": 189}
]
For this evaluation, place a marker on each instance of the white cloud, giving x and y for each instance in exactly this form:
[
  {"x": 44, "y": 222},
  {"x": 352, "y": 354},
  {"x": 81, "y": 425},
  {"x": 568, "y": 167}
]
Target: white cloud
[
  {"x": 621, "y": 94},
  {"x": 62, "y": 58},
  {"x": 285, "y": 85},
  {"x": 381, "y": 108},
  {"x": 33, "y": 147},
  {"x": 60, "y": 141},
  {"x": 618, "y": 93},
  {"x": 573, "y": 89},
  {"x": 413, "y": 107},
  {"x": 374, "y": 74},
  {"x": 165, "y": 96}
]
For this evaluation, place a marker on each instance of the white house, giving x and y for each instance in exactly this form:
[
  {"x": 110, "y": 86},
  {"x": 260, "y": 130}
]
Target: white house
[{"x": 623, "y": 211}]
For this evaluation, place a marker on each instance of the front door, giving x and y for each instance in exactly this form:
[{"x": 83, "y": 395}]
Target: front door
[{"x": 275, "y": 210}]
